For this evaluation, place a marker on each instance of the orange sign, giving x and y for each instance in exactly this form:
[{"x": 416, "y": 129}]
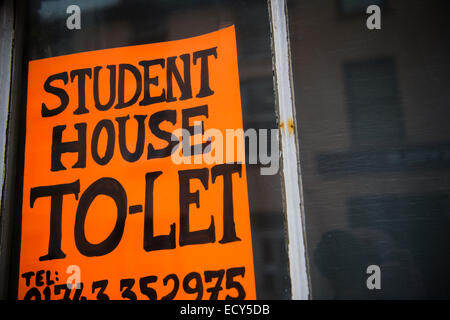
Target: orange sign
[{"x": 105, "y": 208}]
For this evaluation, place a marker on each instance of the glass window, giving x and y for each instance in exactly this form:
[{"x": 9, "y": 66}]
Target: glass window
[{"x": 372, "y": 110}]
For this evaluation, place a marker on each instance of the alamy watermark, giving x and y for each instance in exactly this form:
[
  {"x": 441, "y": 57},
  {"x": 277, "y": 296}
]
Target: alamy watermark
[
  {"x": 373, "y": 22},
  {"x": 73, "y": 21},
  {"x": 374, "y": 280},
  {"x": 214, "y": 146}
]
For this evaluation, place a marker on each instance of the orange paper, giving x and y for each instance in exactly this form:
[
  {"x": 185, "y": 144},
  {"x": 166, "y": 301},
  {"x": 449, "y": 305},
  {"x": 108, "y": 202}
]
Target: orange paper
[{"x": 105, "y": 200}]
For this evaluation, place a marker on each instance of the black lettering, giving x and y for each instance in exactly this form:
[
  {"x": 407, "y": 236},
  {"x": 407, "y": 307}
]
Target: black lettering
[
  {"x": 226, "y": 171},
  {"x": 33, "y": 294},
  {"x": 209, "y": 275},
  {"x": 152, "y": 242},
  {"x": 140, "y": 140},
  {"x": 154, "y": 121},
  {"x": 186, "y": 198},
  {"x": 176, "y": 285},
  {"x": 203, "y": 55},
  {"x": 184, "y": 85},
  {"x": 59, "y": 147},
  {"x": 48, "y": 279},
  {"x": 186, "y": 115},
  {"x": 78, "y": 291},
  {"x": 47, "y": 293},
  {"x": 146, "y": 289},
  {"x": 128, "y": 285},
  {"x": 56, "y": 194},
  {"x": 102, "y": 284},
  {"x": 112, "y": 88},
  {"x": 109, "y": 127},
  {"x": 27, "y": 276},
  {"x": 121, "y": 87},
  {"x": 233, "y": 284},
  {"x": 81, "y": 74},
  {"x": 59, "y": 92},
  {"x": 148, "y": 99},
  {"x": 60, "y": 287},
  {"x": 111, "y": 188},
  {"x": 40, "y": 278},
  {"x": 197, "y": 288}
]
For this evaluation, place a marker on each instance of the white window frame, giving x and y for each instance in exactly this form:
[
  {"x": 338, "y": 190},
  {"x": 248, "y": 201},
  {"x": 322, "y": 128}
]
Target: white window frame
[{"x": 291, "y": 173}]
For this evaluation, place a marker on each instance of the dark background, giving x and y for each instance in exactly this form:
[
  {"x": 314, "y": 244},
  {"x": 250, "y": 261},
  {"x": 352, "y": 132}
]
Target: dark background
[{"x": 373, "y": 111}]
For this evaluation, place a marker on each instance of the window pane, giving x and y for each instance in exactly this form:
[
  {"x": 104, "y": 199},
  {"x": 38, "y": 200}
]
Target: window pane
[
  {"x": 119, "y": 23},
  {"x": 373, "y": 110}
]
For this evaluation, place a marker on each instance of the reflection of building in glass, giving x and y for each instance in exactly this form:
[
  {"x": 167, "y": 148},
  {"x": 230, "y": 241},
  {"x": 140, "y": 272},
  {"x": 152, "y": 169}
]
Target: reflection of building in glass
[
  {"x": 372, "y": 109},
  {"x": 375, "y": 113}
]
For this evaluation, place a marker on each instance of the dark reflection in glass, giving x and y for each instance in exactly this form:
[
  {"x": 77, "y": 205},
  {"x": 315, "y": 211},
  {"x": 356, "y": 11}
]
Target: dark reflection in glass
[
  {"x": 373, "y": 111},
  {"x": 117, "y": 23},
  {"x": 374, "y": 106}
]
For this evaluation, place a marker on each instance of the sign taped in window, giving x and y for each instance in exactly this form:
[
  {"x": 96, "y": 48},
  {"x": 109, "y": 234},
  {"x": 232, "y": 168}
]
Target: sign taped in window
[{"x": 105, "y": 207}]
